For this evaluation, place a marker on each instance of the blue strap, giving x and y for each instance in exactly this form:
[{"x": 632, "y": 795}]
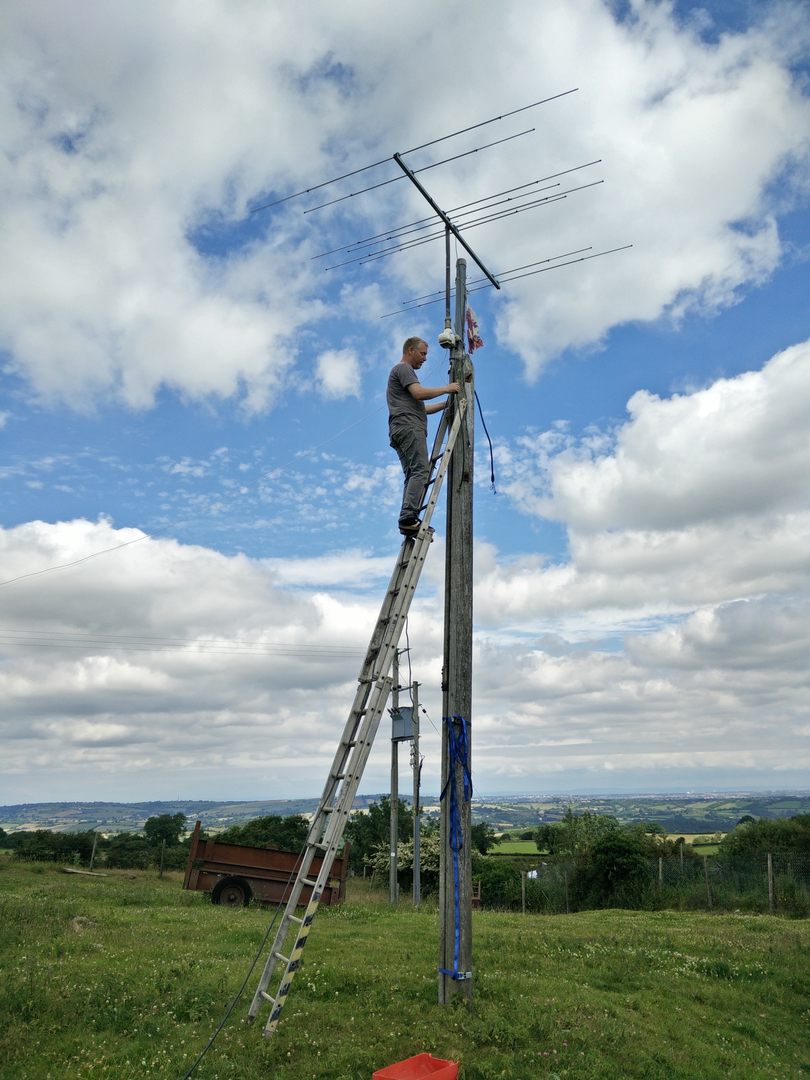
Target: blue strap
[{"x": 458, "y": 754}]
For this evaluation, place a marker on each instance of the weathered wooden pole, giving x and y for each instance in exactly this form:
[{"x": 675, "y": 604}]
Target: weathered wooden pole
[
  {"x": 394, "y": 805},
  {"x": 455, "y": 873},
  {"x": 416, "y": 770}
]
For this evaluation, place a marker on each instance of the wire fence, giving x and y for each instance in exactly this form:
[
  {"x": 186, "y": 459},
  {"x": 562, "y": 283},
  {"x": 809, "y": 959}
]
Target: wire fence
[{"x": 754, "y": 883}]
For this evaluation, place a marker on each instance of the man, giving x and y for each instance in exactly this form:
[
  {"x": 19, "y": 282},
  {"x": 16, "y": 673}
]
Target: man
[{"x": 407, "y": 427}]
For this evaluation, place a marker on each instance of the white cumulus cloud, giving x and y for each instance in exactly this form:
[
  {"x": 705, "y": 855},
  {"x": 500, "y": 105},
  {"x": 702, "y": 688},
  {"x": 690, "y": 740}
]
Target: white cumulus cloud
[
  {"x": 137, "y": 139},
  {"x": 337, "y": 374}
]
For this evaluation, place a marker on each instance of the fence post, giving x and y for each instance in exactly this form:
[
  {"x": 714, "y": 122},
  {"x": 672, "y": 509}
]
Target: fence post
[
  {"x": 771, "y": 891},
  {"x": 681, "y": 847},
  {"x": 523, "y": 891},
  {"x": 93, "y": 852},
  {"x": 660, "y": 874},
  {"x": 162, "y": 857},
  {"x": 567, "y": 908},
  {"x": 708, "y": 884}
]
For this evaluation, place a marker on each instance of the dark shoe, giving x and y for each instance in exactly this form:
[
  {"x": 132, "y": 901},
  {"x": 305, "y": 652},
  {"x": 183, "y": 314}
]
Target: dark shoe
[{"x": 410, "y": 526}]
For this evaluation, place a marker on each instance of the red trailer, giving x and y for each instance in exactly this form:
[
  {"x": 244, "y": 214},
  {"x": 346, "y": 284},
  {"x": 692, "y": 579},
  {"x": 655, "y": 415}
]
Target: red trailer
[{"x": 235, "y": 875}]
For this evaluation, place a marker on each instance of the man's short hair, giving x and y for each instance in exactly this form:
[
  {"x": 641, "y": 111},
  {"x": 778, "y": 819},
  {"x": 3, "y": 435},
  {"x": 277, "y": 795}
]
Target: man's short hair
[{"x": 411, "y": 343}]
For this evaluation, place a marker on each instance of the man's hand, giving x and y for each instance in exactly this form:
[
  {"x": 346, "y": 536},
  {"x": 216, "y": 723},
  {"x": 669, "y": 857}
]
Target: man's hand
[{"x": 453, "y": 388}]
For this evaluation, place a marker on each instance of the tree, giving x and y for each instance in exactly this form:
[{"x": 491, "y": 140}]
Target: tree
[
  {"x": 767, "y": 834},
  {"x": 576, "y": 833},
  {"x": 613, "y": 873},
  {"x": 653, "y": 828},
  {"x": 482, "y": 837},
  {"x": 746, "y": 819},
  {"x": 287, "y": 833},
  {"x": 128, "y": 851},
  {"x": 366, "y": 832},
  {"x": 164, "y": 827}
]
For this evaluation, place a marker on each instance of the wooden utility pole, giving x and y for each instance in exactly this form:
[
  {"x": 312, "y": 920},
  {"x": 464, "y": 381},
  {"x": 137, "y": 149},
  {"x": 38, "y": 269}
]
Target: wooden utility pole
[
  {"x": 455, "y": 873},
  {"x": 416, "y": 772},
  {"x": 393, "y": 883}
]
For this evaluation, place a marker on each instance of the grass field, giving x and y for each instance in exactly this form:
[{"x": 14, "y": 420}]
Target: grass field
[
  {"x": 516, "y": 847},
  {"x": 127, "y": 976}
]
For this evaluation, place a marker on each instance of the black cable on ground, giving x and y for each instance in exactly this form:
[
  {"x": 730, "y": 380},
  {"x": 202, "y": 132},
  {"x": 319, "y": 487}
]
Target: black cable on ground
[
  {"x": 241, "y": 989},
  {"x": 491, "y": 457}
]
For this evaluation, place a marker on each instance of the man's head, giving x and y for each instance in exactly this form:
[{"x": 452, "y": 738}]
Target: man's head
[{"x": 414, "y": 352}]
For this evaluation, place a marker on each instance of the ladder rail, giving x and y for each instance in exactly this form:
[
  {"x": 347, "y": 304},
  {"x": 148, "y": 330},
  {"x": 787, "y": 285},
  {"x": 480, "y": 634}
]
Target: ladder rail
[
  {"x": 334, "y": 808},
  {"x": 411, "y": 556}
]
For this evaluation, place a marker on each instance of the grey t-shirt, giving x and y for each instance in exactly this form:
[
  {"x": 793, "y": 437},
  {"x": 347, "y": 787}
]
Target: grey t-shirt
[{"x": 403, "y": 408}]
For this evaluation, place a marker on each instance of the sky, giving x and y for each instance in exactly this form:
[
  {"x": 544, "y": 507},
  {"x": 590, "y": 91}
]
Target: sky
[{"x": 193, "y": 394}]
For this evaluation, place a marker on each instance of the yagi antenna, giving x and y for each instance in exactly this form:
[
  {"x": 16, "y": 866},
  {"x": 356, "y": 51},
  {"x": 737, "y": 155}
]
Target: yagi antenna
[
  {"x": 456, "y": 209},
  {"x": 482, "y": 211},
  {"x": 405, "y": 245},
  {"x": 422, "y": 146}
]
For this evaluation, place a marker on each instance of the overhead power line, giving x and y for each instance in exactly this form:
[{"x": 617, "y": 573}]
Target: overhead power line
[{"x": 54, "y": 639}]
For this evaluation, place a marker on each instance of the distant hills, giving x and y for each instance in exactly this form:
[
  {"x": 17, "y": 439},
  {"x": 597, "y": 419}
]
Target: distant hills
[
  {"x": 676, "y": 813},
  {"x": 128, "y": 817}
]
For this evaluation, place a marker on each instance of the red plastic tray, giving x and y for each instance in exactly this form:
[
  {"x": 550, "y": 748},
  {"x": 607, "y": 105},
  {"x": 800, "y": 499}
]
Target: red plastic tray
[{"x": 419, "y": 1068}]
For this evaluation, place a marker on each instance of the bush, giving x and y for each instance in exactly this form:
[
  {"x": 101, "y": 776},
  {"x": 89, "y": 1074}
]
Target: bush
[
  {"x": 428, "y": 861},
  {"x": 128, "y": 851},
  {"x": 367, "y": 832},
  {"x": 46, "y": 846},
  {"x": 288, "y": 833},
  {"x": 784, "y": 834},
  {"x": 615, "y": 873},
  {"x": 576, "y": 833}
]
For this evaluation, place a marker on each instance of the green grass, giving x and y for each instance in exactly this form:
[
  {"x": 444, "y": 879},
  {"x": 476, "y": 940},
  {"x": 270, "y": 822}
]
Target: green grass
[
  {"x": 516, "y": 847},
  {"x": 127, "y": 976}
]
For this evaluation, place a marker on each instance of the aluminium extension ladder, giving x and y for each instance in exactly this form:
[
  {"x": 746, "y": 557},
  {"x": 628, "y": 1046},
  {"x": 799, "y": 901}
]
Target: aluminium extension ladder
[{"x": 326, "y": 828}]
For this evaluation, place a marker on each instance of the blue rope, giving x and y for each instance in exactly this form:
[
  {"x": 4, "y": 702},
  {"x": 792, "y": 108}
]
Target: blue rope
[{"x": 458, "y": 754}]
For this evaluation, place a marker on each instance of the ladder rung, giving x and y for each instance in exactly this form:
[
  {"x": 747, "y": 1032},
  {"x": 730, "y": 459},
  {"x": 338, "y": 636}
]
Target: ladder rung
[
  {"x": 268, "y": 997},
  {"x": 283, "y": 959},
  {"x": 308, "y": 881},
  {"x": 328, "y": 810},
  {"x": 294, "y": 918},
  {"x": 339, "y": 776}
]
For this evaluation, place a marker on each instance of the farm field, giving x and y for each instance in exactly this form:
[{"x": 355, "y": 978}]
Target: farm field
[
  {"x": 127, "y": 976},
  {"x": 679, "y": 814}
]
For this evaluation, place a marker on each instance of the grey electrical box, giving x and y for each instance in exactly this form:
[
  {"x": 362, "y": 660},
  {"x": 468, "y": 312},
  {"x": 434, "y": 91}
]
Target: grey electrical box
[{"x": 403, "y": 723}]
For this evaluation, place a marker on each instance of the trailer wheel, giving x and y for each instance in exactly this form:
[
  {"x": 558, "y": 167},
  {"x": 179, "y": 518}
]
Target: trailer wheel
[{"x": 232, "y": 892}]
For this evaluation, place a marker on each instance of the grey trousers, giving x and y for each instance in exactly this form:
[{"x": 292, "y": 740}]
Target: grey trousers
[{"x": 410, "y": 444}]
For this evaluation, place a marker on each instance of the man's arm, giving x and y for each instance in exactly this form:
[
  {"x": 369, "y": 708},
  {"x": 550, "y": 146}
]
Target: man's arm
[
  {"x": 439, "y": 406},
  {"x": 427, "y": 393}
]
